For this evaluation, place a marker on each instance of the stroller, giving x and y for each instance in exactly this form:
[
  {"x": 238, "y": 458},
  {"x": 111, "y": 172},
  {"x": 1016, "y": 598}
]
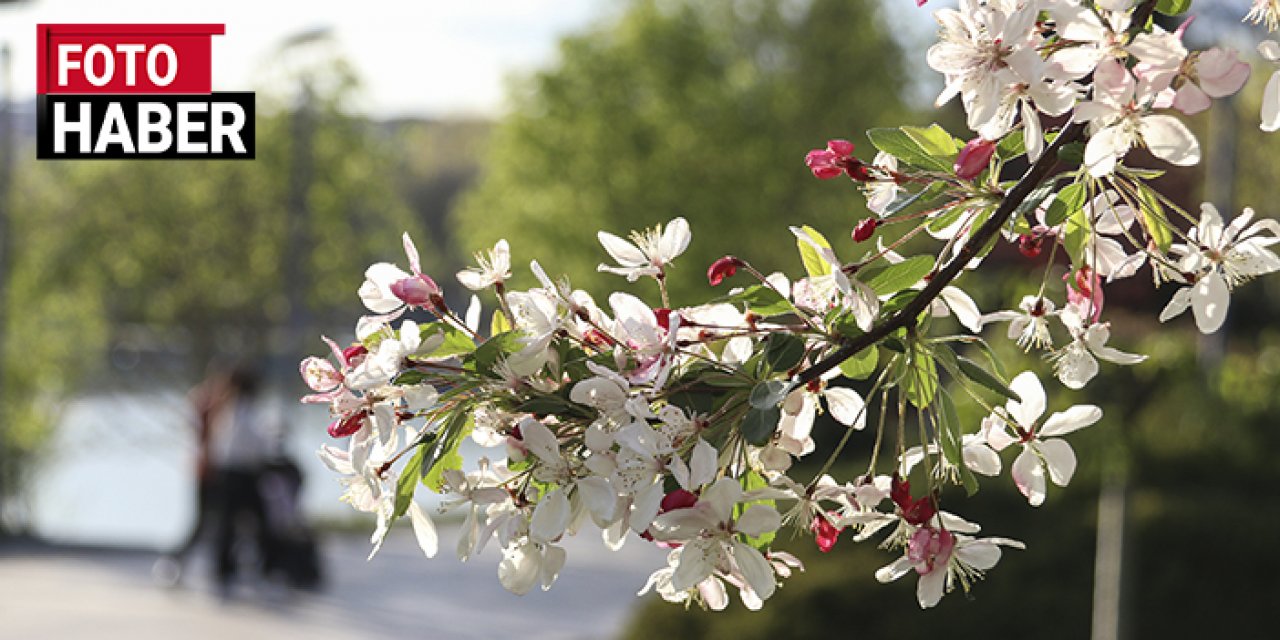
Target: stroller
[{"x": 291, "y": 551}]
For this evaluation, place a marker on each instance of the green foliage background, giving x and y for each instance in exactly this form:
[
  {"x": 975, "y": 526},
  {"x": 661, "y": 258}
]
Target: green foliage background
[{"x": 696, "y": 109}]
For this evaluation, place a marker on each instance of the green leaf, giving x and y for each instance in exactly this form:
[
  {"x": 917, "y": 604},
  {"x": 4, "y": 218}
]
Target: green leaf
[
  {"x": 499, "y": 323},
  {"x": 548, "y": 404},
  {"x": 896, "y": 277},
  {"x": 899, "y": 144},
  {"x": 1011, "y": 146},
  {"x": 949, "y": 431},
  {"x": 1072, "y": 154},
  {"x": 769, "y": 394},
  {"x": 724, "y": 380},
  {"x": 456, "y": 341},
  {"x": 921, "y": 380},
  {"x": 449, "y": 460},
  {"x": 976, "y": 373},
  {"x": 814, "y": 264},
  {"x": 935, "y": 141},
  {"x": 861, "y": 365},
  {"x": 443, "y": 454},
  {"x": 1033, "y": 200},
  {"x": 763, "y": 299},
  {"x": 952, "y": 432},
  {"x": 1153, "y": 218},
  {"x": 500, "y": 345},
  {"x": 1069, "y": 200},
  {"x": 408, "y": 481},
  {"x": 759, "y": 424},
  {"x": 1173, "y": 7},
  {"x": 409, "y": 378},
  {"x": 948, "y": 217},
  {"x": 783, "y": 351}
]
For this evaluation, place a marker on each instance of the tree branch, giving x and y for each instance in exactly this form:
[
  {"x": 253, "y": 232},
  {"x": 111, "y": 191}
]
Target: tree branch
[{"x": 907, "y": 315}]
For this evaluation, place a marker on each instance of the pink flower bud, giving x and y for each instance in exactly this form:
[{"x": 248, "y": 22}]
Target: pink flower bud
[
  {"x": 823, "y": 164},
  {"x": 974, "y": 158},
  {"x": 842, "y": 148},
  {"x": 320, "y": 374},
  {"x": 1084, "y": 291},
  {"x": 832, "y": 161},
  {"x": 416, "y": 291},
  {"x": 865, "y": 230},
  {"x": 930, "y": 549},
  {"x": 723, "y": 268}
]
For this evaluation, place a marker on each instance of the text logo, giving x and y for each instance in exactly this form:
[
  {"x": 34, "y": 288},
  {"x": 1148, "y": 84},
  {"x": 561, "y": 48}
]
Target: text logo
[{"x": 136, "y": 91}]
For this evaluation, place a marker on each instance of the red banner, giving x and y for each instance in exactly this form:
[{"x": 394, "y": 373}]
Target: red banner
[{"x": 125, "y": 58}]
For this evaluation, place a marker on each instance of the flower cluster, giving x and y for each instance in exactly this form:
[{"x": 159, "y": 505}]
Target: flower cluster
[{"x": 679, "y": 426}]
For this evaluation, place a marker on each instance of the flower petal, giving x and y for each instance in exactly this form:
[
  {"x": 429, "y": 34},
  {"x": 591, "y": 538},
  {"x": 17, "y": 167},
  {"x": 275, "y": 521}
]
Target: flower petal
[
  {"x": 552, "y": 562},
  {"x": 675, "y": 239},
  {"x": 1071, "y": 420},
  {"x": 1170, "y": 140},
  {"x": 1209, "y": 302},
  {"x": 625, "y": 253},
  {"x": 702, "y": 465},
  {"x": 931, "y": 587},
  {"x": 758, "y": 520},
  {"x": 1177, "y": 304},
  {"x": 1028, "y": 387},
  {"x": 1060, "y": 459},
  {"x": 550, "y": 517},
  {"x": 697, "y": 560},
  {"x": 599, "y": 497},
  {"x": 755, "y": 569},
  {"x": 846, "y": 406},
  {"x": 964, "y": 307},
  {"x": 1271, "y": 104},
  {"x": 1028, "y": 475},
  {"x": 518, "y": 571},
  {"x": 424, "y": 530},
  {"x": 894, "y": 570}
]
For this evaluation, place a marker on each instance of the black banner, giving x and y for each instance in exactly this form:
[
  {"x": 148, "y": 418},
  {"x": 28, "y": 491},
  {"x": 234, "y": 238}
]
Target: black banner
[{"x": 89, "y": 127}]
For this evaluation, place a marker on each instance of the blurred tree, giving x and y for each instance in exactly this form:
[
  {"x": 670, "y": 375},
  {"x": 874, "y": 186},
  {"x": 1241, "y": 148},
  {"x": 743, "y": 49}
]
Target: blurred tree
[
  {"x": 697, "y": 109},
  {"x": 196, "y": 247}
]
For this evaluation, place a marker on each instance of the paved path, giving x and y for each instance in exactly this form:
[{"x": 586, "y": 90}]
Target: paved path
[{"x": 52, "y": 593}]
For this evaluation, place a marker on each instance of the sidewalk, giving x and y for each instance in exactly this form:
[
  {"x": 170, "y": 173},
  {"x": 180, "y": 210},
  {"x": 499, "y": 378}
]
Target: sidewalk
[{"x": 55, "y": 593}]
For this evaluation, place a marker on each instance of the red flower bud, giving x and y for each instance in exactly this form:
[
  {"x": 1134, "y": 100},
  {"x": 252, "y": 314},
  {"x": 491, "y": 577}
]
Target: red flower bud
[
  {"x": 865, "y": 230},
  {"x": 678, "y": 499},
  {"x": 351, "y": 355},
  {"x": 1030, "y": 245},
  {"x": 347, "y": 425},
  {"x": 974, "y": 158},
  {"x": 663, "y": 316},
  {"x": 723, "y": 268},
  {"x": 824, "y": 533},
  {"x": 858, "y": 171},
  {"x": 916, "y": 511}
]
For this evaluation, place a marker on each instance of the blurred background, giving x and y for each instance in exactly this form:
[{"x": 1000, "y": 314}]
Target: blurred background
[{"x": 124, "y": 284}]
